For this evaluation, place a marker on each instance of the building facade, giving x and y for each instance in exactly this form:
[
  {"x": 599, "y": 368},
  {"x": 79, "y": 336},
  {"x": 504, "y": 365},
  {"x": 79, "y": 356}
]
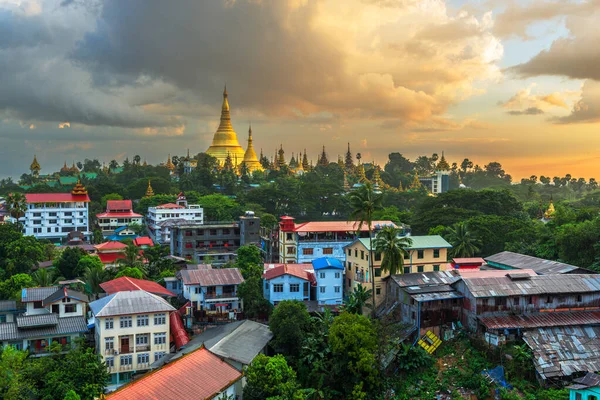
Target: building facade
[
  {"x": 329, "y": 274},
  {"x": 53, "y": 215},
  {"x": 119, "y": 213},
  {"x": 212, "y": 290},
  {"x": 131, "y": 332},
  {"x": 288, "y": 282},
  {"x": 180, "y": 212},
  {"x": 425, "y": 254}
]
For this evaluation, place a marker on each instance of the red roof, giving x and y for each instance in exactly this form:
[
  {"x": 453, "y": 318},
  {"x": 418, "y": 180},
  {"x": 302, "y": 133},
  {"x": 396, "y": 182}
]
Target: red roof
[
  {"x": 336, "y": 226},
  {"x": 143, "y": 241},
  {"x": 302, "y": 271},
  {"x": 492, "y": 273},
  {"x": 118, "y": 215},
  {"x": 170, "y": 205},
  {"x": 115, "y": 205},
  {"x": 126, "y": 284},
  {"x": 55, "y": 198},
  {"x": 110, "y": 258},
  {"x": 542, "y": 320},
  {"x": 112, "y": 245},
  {"x": 197, "y": 375},
  {"x": 177, "y": 330},
  {"x": 468, "y": 261}
]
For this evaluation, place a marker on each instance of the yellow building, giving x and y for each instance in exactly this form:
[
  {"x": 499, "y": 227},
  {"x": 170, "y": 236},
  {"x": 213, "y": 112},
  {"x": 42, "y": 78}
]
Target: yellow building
[
  {"x": 427, "y": 253},
  {"x": 225, "y": 142}
]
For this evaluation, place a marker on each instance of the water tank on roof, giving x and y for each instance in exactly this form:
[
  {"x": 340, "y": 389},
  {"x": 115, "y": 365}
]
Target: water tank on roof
[{"x": 249, "y": 214}]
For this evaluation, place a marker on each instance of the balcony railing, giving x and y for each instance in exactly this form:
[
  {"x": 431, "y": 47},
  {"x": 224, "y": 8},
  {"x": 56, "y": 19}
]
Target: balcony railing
[
  {"x": 145, "y": 347},
  {"x": 223, "y": 295},
  {"x": 126, "y": 350}
]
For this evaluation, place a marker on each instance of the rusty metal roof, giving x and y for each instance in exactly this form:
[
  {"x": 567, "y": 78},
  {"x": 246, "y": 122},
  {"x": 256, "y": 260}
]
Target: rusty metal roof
[
  {"x": 424, "y": 297},
  {"x": 536, "y": 285},
  {"x": 542, "y": 320},
  {"x": 510, "y": 260},
  {"x": 212, "y": 277},
  {"x": 561, "y": 351},
  {"x": 425, "y": 278},
  {"x": 588, "y": 380}
]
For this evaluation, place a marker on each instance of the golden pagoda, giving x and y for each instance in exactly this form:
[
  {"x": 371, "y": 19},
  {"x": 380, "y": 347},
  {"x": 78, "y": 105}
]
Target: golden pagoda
[
  {"x": 362, "y": 177},
  {"x": 225, "y": 141},
  {"x": 250, "y": 160},
  {"x": 550, "y": 211},
  {"x": 35, "y": 166},
  {"x": 416, "y": 183},
  {"x": 376, "y": 177},
  {"x": 74, "y": 168},
  {"x": 170, "y": 166},
  {"x": 149, "y": 190},
  {"x": 79, "y": 189},
  {"x": 443, "y": 164}
]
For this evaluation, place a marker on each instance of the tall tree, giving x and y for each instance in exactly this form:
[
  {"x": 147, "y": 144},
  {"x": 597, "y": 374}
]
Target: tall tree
[
  {"x": 463, "y": 241},
  {"x": 16, "y": 204},
  {"x": 364, "y": 202},
  {"x": 93, "y": 274},
  {"x": 67, "y": 263},
  {"x": 393, "y": 247},
  {"x": 289, "y": 323}
]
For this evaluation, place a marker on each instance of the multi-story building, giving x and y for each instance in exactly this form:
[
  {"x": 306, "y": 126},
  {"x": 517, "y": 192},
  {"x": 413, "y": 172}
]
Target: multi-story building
[
  {"x": 329, "y": 273},
  {"x": 52, "y": 314},
  {"x": 214, "y": 242},
  {"x": 425, "y": 254},
  {"x": 304, "y": 242},
  {"x": 53, "y": 215},
  {"x": 212, "y": 290},
  {"x": 119, "y": 213},
  {"x": 131, "y": 332},
  {"x": 288, "y": 282},
  {"x": 179, "y": 212},
  {"x": 110, "y": 252}
]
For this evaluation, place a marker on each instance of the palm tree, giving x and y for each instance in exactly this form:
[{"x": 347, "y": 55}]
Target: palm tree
[
  {"x": 93, "y": 277},
  {"x": 45, "y": 277},
  {"x": 393, "y": 247},
  {"x": 16, "y": 204},
  {"x": 463, "y": 241},
  {"x": 132, "y": 256},
  {"x": 364, "y": 202},
  {"x": 358, "y": 300}
]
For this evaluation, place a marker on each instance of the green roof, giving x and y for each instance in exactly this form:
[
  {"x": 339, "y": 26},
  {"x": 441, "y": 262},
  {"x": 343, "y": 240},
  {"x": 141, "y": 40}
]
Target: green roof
[
  {"x": 420, "y": 242},
  {"x": 67, "y": 180},
  {"x": 90, "y": 175},
  {"x": 51, "y": 183}
]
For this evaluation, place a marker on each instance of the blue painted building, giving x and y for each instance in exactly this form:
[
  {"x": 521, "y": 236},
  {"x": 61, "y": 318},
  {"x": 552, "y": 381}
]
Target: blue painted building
[
  {"x": 329, "y": 273},
  {"x": 288, "y": 282},
  {"x": 585, "y": 388}
]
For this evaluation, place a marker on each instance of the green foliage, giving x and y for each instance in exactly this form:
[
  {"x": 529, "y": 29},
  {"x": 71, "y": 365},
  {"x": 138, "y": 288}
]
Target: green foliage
[
  {"x": 270, "y": 377},
  {"x": 10, "y": 289},
  {"x": 289, "y": 322},
  {"x": 220, "y": 208},
  {"x": 249, "y": 260},
  {"x": 393, "y": 247},
  {"x": 23, "y": 254},
  {"x": 72, "y": 395},
  {"x": 251, "y": 293},
  {"x": 464, "y": 242},
  {"x": 358, "y": 300},
  {"x": 109, "y": 196},
  {"x": 412, "y": 358},
  {"x": 131, "y": 272},
  {"x": 67, "y": 263}
]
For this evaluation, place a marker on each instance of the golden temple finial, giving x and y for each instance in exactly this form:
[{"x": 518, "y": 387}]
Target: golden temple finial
[
  {"x": 149, "y": 190},
  {"x": 362, "y": 177},
  {"x": 35, "y": 166},
  {"x": 79, "y": 189},
  {"x": 305, "y": 161},
  {"x": 225, "y": 91},
  {"x": 376, "y": 177},
  {"x": 416, "y": 183},
  {"x": 443, "y": 164},
  {"x": 346, "y": 184},
  {"x": 170, "y": 166},
  {"x": 400, "y": 188},
  {"x": 250, "y": 160}
]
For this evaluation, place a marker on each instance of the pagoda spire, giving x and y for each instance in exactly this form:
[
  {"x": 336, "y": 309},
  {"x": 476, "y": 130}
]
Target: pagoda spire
[
  {"x": 281, "y": 157},
  {"x": 376, "y": 177},
  {"x": 323, "y": 161},
  {"x": 416, "y": 183},
  {"x": 225, "y": 139},
  {"x": 305, "y": 161},
  {"x": 149, "y": 190},
  {"x": 170, "y": 166},
  {"x": 35, "y": 166},
  {"x": 443, "y": 164},
  {"x": 250, "y": 160},
  {"x": 362, "y": 177},
  {"x": 79, "y": 189},
  {"x": 346, "y": 184}
]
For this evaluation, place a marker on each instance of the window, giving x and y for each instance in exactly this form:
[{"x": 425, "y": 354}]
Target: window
[
  {"x": 420, "y": 268},
  {"x": 338, "y": 289},
  {"x": 436, "y": 267},
  {"x": 143, "y": 358},
  {"x": 2, "y": 319},
  {"x": 549, "y": 299},
  {"x": 126, "y": 360},
  {"x": 142, "y": 320},
  {"x": 308, "y": 251},
  {"x": 350, "y": 252},
  {"x": 420, "y": 254},
  {"x": 70, "y": 308},
  {"x": 109, "y": 343},
  {"x": 500, "y": 301},
  {"x": 327, "y": 250},
  {"x": 377, "y": 256},
  {"x": 377, "y": 271},
  {"x": 436, "y": 253},
  {"x": 484, "y": 302},
  {"x": 125, "y": 322},
  {"x": 406, "y": 255},
  {"x": 37, "y": 304},
  {"x": 355, "y": 253},
  {"x": 110, "y": 362},
  {"x": 141, "y": 340},
  {"x": 362, "y": 254},
  {"x": 290, "y": 250},
  {"x": 294, "y": 287},
  {"x": 322, "y": 289},
  {"x": 530, "y": 299},
  {"x": 579, "y": 298},
  {"x": 288, "y": 236},
  {"x": 338, "y": 275},
  {"x": 278, "y": 287},
  {"x": 592, "y": 397},
  {"x": 158, "y": 355},
  {"x": 321, "y": 275},
  {"x": 578, "y": 396},
  {"x": 407, "y": 270},
  {"x": 378, "y": 291},
  {"x": 160, "y": 319},
  {"x": 160, "y": 338},
  {"x": 517, "y": 301},
  {"x": 196, "y": 289}
]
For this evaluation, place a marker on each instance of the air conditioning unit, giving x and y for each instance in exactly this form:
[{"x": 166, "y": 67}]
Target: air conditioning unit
[{"x": 116, "y": 352}]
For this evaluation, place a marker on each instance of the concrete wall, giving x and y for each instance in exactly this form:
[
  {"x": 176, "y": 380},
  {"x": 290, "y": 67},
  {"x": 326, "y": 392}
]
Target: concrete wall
[
  {"x": 330, "y": 279},
  {"x": 286, "y": 281},
  {"x": 336, "y": 248}
]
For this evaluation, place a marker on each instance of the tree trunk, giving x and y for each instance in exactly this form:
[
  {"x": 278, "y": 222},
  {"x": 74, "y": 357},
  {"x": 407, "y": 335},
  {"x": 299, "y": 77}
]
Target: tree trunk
[{"x": 371, "y": 269}]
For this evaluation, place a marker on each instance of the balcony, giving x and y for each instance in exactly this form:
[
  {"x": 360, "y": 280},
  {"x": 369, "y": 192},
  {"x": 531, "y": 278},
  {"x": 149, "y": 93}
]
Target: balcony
[
  {"x": 140, "y": 348},
  {"x": 224, "y": 295}
]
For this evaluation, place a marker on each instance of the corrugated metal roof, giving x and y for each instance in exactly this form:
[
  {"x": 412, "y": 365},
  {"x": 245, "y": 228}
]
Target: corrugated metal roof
[
  {"x": 126, "y": 303},
  {"x": 424, "y": 297},
  {"x": 199, "y": 375},
  {"x": 36, "y": 294},
  {"x": 8, "y": 305},
  {"x": 68, "y": 325},
  {"x": 212, "y": 277},
  {"x": 425, "y": 278},
  {"x": 510, "y": 260},
  {"x": 62, "y": 293},
  {"x": 588, "y": 380},
  {"x": 30, "y": 321},
  {"x": 420, "y": 242},
  {"x": 428, "y": 289},
  {"x": 535, "y": 285},
  {"x": 244, "y": 343},
  {"x": 327, "y": 262},
  {"x": 542, "y": 320},
  {"x": 490, "y": 273},
  {"x": 562, "y": 351}
]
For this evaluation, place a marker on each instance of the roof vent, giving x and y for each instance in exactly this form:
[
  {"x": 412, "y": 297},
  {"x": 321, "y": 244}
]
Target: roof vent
[{"x": 518, "y": 276}]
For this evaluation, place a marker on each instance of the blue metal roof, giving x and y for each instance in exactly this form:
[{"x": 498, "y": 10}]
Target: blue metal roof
[{"x": 327, "y": 262}]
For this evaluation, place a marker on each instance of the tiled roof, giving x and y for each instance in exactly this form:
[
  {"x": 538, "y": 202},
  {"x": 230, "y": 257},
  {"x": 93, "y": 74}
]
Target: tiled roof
[
  {"x": 55, "y": 198},
  {"x": 36, "y": 294},
  {"x": 132, "y": 302},
  {"x": 510, "y": 260},
  {"x": 327, "y": 262},
  {"x": 168, "y": 206},
  {"x": 114, "y": 205},
  {"x": 110, "y": 258},
  {"x": 126, "y": 283},
  {"x": 112, "y": 214},
  {"x": 112, "y": 245},
  {"x": 8, "y": 305},
  {"x": 419, "y": 242},
  {"x": 143, "y": 241},
  {"x": 30, "y": 321},
  {"x": 68, "y": 325},
  {"x": 542, "y": 320},
  {"x": 62, "y": 293},
  {"x": 534, "y": 285},
  {"x": 302, "y": 271},
  {"x": 198, "y": 375},
  {"x": 337, "y": 226},
  {"x": 212, "y": 277}
]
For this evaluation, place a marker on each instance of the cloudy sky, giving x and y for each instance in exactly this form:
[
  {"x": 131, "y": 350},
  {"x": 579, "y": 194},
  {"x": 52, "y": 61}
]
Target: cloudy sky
[{"x": 513, "y": 81}]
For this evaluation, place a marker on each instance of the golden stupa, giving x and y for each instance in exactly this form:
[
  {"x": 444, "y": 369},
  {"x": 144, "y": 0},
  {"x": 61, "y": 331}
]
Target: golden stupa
[
  {"x": 225, "y": 141},
  {"x": 250, "y": 158}
]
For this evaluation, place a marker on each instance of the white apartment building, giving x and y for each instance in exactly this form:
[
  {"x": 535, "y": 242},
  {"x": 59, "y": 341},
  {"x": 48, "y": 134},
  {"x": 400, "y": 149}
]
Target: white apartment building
[
  {"x": 159, "y": 218},
  {"x": 54, "y": 215},
  {"x": 132, "y": 332},
  {"x": 118, "y": 214}
]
